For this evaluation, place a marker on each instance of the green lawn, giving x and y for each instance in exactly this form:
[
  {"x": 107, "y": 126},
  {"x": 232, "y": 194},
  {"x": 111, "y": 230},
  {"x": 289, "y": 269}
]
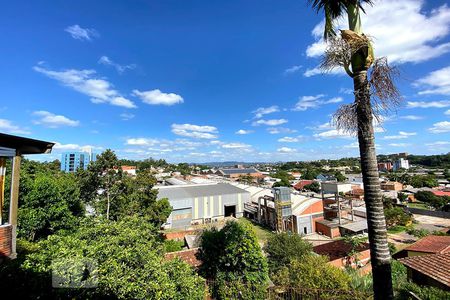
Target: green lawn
[
  {"x": 262, "y": 233},
  {"x": 418, "y": 205},
  {"x": 397, "y": 229}
]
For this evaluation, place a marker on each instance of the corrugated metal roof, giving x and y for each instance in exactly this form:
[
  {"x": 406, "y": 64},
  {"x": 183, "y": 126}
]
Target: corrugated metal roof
[
  {"x": 238, "y": 171},
  {"x": 200, "y": 190}
]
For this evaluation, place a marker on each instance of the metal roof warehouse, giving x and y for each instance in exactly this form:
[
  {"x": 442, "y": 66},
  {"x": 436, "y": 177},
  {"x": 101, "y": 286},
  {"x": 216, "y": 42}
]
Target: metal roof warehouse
[{"x": 202, "y": 203}]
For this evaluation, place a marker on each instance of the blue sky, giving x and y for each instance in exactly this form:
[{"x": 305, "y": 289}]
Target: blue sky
[{"x": 204, "y": 81}]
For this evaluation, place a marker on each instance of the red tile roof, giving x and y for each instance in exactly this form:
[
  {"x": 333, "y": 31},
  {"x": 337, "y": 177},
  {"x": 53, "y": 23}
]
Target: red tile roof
[
  {"x": 431, "y": 244},
  {"x": 441, "y": 193},
  {"x": 337, "y": 249},
  {"x": 301, "y": 184},
  {"x": 188, "y": 256},
  {"x": 436, "y": 266}
]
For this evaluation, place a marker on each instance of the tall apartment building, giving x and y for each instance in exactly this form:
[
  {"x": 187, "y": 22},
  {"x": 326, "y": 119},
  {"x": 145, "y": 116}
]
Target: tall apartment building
[
  {"x": 401, "y": 163},
  {"x": 71, "y": 161}
]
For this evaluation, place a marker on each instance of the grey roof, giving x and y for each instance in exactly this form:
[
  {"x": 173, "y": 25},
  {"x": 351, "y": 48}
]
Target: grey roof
[
  {"x": 356, "y": 226},
  {"x": 238, "y": 171},
  {"x": 200, "y": 190}
]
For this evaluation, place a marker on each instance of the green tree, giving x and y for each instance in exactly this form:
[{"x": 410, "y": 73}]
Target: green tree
[
  {"x": 283, "y": 247},
  {"x": 419, "y": 181},
  {"x": 48, "y": 203},
  {"x": 402, "y": 197},
  {"x": 233, "y": 258},
  {"x": 396, "y": 216},
  {"x": 129, "y": 258},
  {"x": 312, "y": 272},
  {"x": 138, "y": 197},
  {"x": 353, "y": 51},
  {"x": 340, "y": 177},
  {"x": 314, "y": 187}
]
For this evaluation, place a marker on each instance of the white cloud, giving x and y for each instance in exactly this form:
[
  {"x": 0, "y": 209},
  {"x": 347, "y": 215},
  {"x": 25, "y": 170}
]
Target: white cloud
[
  {"x": 243, "y": 131},
  {"x": 105, "y": 60},
  {"x": 288, "y": 139},
  {"x": 401, "y": 135},
  {"x": 447, "y": 112},
  {"x": 354, "y": 145},
  {"x": 333, "y": 134},
  {"x": 54, "y": 121},
  {"x": 260, "y": 112},
  {"x": 235, "y": 146},
  {"x": 402, "y": 30},
  {"x": 429, "y": 104},
  {"x": 292, "y": 70},
  {"x": 156, "y": 97},
  {"x": 126, "y": 116},
  {"x": 142, "y": 142},
  {"x": 278, "y": 130},
  {"x": 75, "y": 147},
  {"x": 440, "y": 127},
  {"x": 438, "y": 143},
  {"x": 79, "y": 33},
  {"x": 272, "y": 122},
  {"x": 411, "y": 117},
  {"x": 85, "y": 82},
  {"x": 307, "y": 102},
  {"x": 399, "y": 145},
  {"x": 286, "y": 150},
  {"x": 438, "y": 82},
  {"x": 8, "y": 127},
  {"x": 195, "y": 131}
]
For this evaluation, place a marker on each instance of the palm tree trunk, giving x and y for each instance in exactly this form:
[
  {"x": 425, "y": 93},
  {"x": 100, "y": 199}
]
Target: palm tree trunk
[{"x": 379, "y": 249}]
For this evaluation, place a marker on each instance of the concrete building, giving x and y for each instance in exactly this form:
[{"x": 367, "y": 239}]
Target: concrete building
[
  {"x": 384, "y": 166},
  {"x": 391, "y": 186},
  {"x": 202, "y": 203},
  {"x": 401, "y": 163},
  {"x": 71, "y": 161}
]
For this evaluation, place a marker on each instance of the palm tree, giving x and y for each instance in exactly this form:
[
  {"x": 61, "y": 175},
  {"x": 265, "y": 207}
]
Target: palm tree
[{"x": 352, "y": 50}]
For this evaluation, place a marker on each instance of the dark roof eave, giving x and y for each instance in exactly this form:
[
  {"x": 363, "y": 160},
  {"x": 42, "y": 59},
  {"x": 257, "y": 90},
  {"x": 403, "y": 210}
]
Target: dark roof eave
[{"x": 24, "y": 145}]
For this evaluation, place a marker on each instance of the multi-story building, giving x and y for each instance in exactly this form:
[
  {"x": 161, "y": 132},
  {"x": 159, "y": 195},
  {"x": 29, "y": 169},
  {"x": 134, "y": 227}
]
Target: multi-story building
[
  {"x": 384, "y": 166},
  {"x": 401, "y": 163},
  {"x": 71, "y": 161}
]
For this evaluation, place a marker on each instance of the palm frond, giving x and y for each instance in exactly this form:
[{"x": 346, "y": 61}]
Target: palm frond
[{"x": 334, "y": 9}]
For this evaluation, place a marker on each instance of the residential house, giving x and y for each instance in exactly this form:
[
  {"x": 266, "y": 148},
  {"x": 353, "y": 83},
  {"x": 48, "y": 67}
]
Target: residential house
[
  {"x": 391, "y": 186},
  {"x": 340, "y": 254},
  {"x": 431, "y": 270}
]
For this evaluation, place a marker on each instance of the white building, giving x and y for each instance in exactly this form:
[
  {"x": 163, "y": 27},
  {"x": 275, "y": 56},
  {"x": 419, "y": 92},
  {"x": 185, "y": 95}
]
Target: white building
[{"x": 401, "y": 163}]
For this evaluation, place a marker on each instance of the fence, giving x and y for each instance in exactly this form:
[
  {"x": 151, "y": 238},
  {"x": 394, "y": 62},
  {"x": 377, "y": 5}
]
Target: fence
[
  {"x": 432, "y": 213},
  {"x": 239, "y": 291}
]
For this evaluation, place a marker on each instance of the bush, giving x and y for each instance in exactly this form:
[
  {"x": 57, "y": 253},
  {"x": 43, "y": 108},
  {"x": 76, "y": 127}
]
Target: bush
[
  {"x": 314, "y": 187},
  {"x": 129, "y": 258},
  {"x": 173, "y": 245},
  {"x": 312, "y": 272},
  {"x": 232, "y": 257},
  {"x": 396, "y": 216},
  {"x": 283, "y": 247}
]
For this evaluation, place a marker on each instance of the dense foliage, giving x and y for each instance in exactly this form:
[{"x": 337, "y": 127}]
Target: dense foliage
[
  {"x": 283, "y": 247},
  {"x": 314, "y": 187},
  {"x": 126, "y": 260},
  {"x": 233, "y": 259},
  {"x": 396, "y": 216},
  {"x": 431, "y": 199}
]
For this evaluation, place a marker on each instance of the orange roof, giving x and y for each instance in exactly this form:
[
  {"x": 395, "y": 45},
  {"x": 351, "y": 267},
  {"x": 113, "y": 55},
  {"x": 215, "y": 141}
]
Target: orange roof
[
  {"x": 431, "y": 244},
  {"x": 337, "y": 249},
  {"x": 441, "y": 193},
  {"x": 436, "y": 266},
  {"x": 189, "y": 256},
  {"x": 128, "y": 168}
]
